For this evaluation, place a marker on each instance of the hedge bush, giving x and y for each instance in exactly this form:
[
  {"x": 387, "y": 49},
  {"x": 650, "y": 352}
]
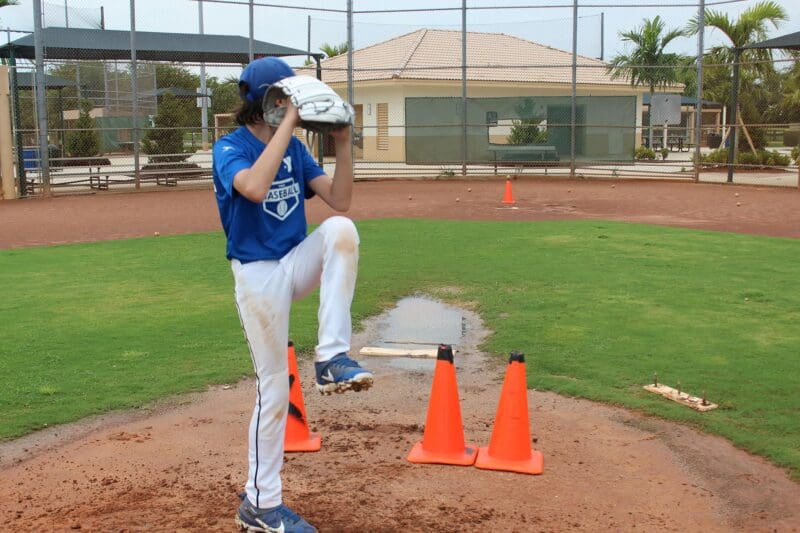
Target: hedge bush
[
  {"x": 761, "y": 159},
  {"x": 644, "y": 152}
]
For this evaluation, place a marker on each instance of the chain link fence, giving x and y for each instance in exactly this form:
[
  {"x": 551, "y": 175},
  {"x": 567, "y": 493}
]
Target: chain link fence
[{"x": 463, "y": 89}]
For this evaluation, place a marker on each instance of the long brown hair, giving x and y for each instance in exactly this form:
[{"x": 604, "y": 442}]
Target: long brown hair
[{"x": 249, "y": 112}]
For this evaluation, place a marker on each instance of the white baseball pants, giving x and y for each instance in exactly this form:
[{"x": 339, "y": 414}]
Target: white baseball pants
[{"x": 328, "y": 259}]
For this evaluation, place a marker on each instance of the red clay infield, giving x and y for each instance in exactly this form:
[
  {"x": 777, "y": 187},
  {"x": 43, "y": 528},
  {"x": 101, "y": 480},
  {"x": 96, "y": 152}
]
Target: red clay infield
[{"x": 746, "y": 209}]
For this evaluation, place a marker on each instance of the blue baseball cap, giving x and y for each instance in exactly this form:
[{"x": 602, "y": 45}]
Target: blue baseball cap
[{"x": 260, "y": 74}]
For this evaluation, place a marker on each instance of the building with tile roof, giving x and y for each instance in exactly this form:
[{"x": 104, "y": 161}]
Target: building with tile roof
[{"x": 407, "y": 94}]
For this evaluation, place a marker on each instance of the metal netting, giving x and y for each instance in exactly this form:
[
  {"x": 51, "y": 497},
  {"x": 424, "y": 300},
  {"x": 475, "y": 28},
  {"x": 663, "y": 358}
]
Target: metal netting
[{"x": 451, "y": 90}]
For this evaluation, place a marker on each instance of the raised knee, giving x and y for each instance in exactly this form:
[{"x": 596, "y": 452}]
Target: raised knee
[{"x": 342, "y": 233}]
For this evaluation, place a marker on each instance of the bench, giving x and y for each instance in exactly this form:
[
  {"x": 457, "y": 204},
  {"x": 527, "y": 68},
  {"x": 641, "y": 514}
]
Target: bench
[
  {"x": 98, "y": 181},
  {"x": 673, "y": 143},
  {"x": 523, "y": 154},
  {"x": 96, "y": 178},
  {"x": 677, "y": 142},
  {"x": 169, "y": 174}
]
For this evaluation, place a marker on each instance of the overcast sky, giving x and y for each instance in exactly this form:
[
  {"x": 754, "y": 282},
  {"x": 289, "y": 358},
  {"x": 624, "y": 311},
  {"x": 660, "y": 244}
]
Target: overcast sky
[{"x": 289, "y": 27}]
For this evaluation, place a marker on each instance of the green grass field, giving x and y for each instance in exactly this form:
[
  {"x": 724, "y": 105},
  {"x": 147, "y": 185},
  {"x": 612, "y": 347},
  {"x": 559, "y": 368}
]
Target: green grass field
[{"x": 596, "y": 306}]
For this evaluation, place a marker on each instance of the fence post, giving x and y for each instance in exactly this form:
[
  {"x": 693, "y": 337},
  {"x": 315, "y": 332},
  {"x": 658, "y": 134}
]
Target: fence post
[
  {"x": 698, "y": 108},
  {"x": 463, "y": 87},
  {"x": 251, "y": 34},
  {"x": 135, "y": 97},
  {"x": 23, "y": 182},
  {"x": 350, "y": 95},
  {"x": 41, "y": 101},
  {"x": 203, "y": 88},
  {"x": 574, "y": 87},
  {"x": 734, "y": 104}
]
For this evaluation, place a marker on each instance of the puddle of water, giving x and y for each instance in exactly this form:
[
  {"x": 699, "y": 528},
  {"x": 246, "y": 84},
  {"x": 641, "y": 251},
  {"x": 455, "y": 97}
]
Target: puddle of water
[
  {"x": 412, "y": 364},
  {"x": 421, "y": 323}
]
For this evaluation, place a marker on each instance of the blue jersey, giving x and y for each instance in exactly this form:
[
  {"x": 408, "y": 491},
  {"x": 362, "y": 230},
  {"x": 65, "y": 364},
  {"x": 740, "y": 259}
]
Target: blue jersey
[{"x": 268, "y": 229}]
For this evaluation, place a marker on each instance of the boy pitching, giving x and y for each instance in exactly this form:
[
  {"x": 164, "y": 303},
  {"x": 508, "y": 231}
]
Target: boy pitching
[{"x": 262, "y": 177}]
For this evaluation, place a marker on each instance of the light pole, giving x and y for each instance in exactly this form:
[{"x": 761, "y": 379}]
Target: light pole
[{"x": 41, "y": 100}]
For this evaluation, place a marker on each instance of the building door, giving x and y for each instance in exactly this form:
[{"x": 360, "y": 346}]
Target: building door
[{"x": 358, "y": 132}]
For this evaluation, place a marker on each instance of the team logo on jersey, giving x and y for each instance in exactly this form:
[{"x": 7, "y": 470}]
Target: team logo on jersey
[{"x": 282, "y": 198}]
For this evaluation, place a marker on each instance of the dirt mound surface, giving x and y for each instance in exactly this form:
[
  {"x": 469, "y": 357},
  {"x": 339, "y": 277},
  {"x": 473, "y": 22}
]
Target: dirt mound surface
[{"x": 180, "y": 466}]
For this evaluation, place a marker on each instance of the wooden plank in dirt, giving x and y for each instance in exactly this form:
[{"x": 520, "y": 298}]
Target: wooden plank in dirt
[
  {"x": 425, "y": 353},
  {"x": 681, "y": 397}
]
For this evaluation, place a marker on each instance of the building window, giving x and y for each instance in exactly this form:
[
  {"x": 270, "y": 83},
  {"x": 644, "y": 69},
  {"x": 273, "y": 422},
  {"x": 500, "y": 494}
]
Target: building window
[{"x": 383, "y": 126}]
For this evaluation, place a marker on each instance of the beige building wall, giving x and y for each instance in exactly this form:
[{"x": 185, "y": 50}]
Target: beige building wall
[{"x": 369, "y": 97}]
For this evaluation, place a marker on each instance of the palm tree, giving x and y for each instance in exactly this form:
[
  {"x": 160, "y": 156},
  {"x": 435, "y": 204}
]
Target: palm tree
[
  {"x": 4, "y": 3},
  {"x": 649, "y": 63},
  {"x": 749, "y": 28},
  {"x": 331, "y": 50}
]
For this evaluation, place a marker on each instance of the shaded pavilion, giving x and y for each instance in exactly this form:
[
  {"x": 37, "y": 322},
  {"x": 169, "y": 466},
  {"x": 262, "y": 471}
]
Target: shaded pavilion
[{"x": 78, "y": 44}]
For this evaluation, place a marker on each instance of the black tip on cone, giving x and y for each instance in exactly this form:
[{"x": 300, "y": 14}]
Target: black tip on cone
[
  {"x": 519, "y": 357},
  {"x": 291, "y": 343},
  {"x": 445, "y": 353}
]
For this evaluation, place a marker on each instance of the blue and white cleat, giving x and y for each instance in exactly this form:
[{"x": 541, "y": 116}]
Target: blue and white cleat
[
  {"x": 341, "y": 374},
  {"x": 278, "y": 519}
]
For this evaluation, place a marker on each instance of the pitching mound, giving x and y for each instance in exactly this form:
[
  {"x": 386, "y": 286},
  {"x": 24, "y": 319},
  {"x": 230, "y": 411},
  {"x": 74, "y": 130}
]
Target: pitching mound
[{"x": 180, "y": 466}]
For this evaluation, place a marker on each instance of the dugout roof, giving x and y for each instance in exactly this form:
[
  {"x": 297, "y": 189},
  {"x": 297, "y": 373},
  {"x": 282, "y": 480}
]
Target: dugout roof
[
  {"x": 790, "y": 41},
  {"x": 25, "y": 79},
  {"x": 91, "y": 44}
]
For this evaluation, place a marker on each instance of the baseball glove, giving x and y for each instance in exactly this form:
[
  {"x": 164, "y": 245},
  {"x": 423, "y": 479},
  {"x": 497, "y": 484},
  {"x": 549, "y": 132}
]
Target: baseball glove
[{"x": 321, "y": 109}]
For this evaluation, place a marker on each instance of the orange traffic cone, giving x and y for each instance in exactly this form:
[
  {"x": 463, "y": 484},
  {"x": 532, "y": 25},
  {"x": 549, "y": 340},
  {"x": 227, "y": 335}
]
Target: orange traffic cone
[
  {"x": 443, "y": 440},
  {"x": 508, "y": 196},
  {"x": 510, "y": 446},
  {"x": 298, "y": 438}
]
